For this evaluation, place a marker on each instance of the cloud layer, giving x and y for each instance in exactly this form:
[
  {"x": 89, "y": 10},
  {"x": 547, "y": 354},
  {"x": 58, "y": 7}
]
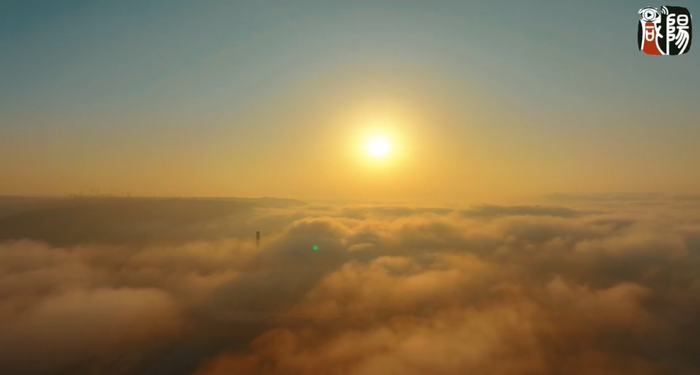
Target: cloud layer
[{"x": 586, "y": 286}]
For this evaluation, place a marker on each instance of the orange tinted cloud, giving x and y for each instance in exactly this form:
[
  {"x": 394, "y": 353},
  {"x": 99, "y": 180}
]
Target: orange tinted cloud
[{"x": 575, "y": 288}]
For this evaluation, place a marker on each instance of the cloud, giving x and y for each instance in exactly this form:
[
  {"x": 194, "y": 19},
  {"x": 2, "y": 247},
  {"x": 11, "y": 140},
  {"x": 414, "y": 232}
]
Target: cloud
[
  {"x": 499, "y": 211},
  {"x": 361, "y": 212},
  {"x": 60, "y": 328},
  {"x": 610, "y": 197},
  {"x": 390, "y": 290}
]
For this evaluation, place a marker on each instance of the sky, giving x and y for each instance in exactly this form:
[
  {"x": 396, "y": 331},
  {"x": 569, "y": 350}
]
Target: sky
[{"x": 483, "y": 101}]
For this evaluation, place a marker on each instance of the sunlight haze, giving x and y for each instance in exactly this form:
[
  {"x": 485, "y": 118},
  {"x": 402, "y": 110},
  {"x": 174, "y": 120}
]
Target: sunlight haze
[{"x": 230, "y": 99}]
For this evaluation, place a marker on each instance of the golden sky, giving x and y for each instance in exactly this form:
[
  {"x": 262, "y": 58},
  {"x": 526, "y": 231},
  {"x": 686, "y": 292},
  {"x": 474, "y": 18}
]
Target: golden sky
[{"x": 283, "y": 104}]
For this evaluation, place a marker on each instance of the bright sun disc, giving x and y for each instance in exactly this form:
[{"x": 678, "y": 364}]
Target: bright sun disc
[{"x": 378, "y": 147}]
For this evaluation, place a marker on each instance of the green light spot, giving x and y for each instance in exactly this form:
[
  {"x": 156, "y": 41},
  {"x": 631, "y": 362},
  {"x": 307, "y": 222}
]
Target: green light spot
[{"x": 314, "y": 247}]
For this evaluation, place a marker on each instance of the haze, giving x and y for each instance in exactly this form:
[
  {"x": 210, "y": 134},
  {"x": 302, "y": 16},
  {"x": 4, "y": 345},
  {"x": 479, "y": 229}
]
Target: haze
[
  {"x": 449, "y": 187},
  {"x": 227, "y": 99}
]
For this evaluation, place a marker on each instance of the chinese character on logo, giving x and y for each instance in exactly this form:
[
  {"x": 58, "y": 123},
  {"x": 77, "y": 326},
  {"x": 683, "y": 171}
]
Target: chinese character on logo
[{"x": 665, "y": 31}]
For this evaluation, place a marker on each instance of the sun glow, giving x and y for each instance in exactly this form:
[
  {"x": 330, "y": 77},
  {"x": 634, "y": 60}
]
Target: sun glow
[
  {"x": 378, "y": 147},
  {"x": 378, "y": 143}
]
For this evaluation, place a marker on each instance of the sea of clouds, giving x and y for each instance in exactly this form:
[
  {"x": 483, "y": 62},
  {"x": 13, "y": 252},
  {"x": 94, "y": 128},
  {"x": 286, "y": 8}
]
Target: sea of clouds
[{"x": 576, "y": 285}]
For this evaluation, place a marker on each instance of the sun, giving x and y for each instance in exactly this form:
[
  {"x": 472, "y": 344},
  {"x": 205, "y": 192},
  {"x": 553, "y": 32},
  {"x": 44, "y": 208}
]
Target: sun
[{"x": 378, "y": 147}]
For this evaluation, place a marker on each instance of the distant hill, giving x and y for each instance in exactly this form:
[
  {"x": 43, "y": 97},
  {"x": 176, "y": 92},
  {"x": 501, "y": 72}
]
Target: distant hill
[
  {"x": 15, "y": 204},
  {"x": 270, "y": 202},
  {"x": 67, "y": 221},
  {"x": 10, "y": 205}
]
